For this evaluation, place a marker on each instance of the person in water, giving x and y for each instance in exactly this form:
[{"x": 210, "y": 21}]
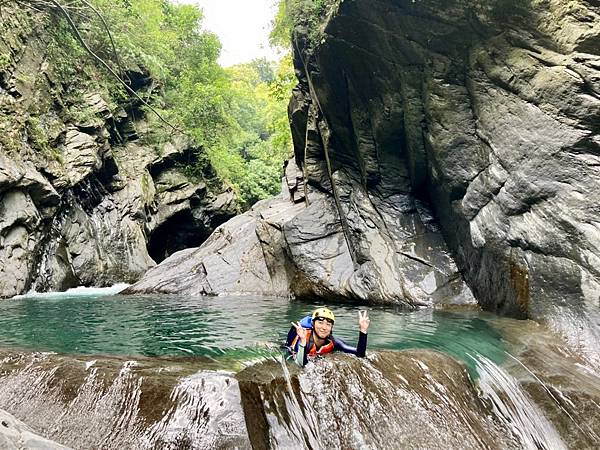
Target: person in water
[{"x": 313, "y": 336}]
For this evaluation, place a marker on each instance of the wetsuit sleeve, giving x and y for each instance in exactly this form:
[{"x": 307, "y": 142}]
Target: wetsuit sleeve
[
  {"x": 300, "y": 357},
  {"x": 360, "y": 350}
]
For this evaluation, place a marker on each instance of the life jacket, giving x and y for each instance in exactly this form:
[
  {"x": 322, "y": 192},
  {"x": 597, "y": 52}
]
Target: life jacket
[
  {"x": 311, "y": 347},
  {"x": 306, "y": 322}
]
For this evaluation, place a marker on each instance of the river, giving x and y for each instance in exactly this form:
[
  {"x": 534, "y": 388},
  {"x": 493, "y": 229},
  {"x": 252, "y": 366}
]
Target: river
[{"x": 176, "y": 372}]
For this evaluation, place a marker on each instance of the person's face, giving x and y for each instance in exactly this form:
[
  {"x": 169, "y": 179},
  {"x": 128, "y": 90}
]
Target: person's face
[{"x": 322, "y": 327}]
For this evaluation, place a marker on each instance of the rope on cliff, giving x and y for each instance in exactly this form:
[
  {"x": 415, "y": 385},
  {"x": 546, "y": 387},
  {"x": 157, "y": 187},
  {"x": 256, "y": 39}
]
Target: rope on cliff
[
  {"x": 336, "y": 196},
  {"x": 85, "y": 46},
  {"x": 304, "y": 168},
  {"x": 109, "y": 34}
]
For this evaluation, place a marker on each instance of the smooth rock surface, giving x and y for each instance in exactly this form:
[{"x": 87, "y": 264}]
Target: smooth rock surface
[
  {"x": 118, "y": 403},
  {"x": 15, "y": 435},
  {"x": 337, "y": 402},
  {"x": 285, "y": 248},
  {"x": 486, "y": 111},
  {"x": 411, "y": 400}
]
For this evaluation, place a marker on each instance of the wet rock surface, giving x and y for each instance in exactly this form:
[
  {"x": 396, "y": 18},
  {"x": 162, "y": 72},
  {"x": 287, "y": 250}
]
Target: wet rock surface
[
  {"x": 411, "y": 399},
  {"x": 15, "y": 435},
  {"x": 338, "y": 402},
  {"x": 83, "y": 200},
  {"x": 493, "y": 110},
  {"x": 117, "y": 403},
  {"x": 561, "y": 383},
  {"x": 414, "y": 399}
]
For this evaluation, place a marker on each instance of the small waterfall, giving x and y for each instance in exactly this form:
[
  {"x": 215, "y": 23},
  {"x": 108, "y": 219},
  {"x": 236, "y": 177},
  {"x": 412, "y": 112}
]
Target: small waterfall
[
  {"x": 409, "y": 400},
  {"x": 112, "y": 403},
  {"x": 204, "y": 412},
  {"x": 50, "y": 247},
  {"x": 78, "y": 292},
  {"x": 471, "y": 381},
  {"x": 414, "y": 399},
  {"x": 515, "y": 409}
]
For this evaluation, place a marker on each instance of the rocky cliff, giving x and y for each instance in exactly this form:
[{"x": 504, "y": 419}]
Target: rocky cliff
[
  {"x": 425, "y": 129},
  {"x": 492, "y": 112},
  {"x": 88, "y": 195}
]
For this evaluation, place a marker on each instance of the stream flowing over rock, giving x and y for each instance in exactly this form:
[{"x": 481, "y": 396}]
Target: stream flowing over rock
[
  {"x": 432, "y": 139},
  {"x": 84, "y": 199},
  {"x": 414, "y": 399}
]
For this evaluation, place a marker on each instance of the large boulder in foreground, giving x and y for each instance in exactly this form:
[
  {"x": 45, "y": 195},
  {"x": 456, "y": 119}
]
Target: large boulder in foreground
[
  {"x": 413, "y": 399},
  {"x": 410, "y": 400},
  {"x": 126, "y": 404}
]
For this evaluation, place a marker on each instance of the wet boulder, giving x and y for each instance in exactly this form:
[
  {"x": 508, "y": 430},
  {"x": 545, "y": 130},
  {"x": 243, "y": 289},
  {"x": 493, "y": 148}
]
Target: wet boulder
[
  {"x": 412, "y": 399},
  {"x": 297, "y": 245},
  {"x": 244, "y": 255},
  {"x": 119, "y": 403}
]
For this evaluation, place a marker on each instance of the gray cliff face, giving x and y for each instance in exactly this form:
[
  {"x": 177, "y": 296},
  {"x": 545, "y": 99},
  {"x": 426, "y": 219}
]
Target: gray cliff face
[
  {"x": 487, "y": 111},
  {"x": 286, "y": 247},
  {"x": 84, "y": 198}
]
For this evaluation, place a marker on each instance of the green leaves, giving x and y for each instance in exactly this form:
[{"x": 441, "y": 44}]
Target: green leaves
[
  {"x": 251, "y": 154},
  {"x": 237, "y": 116},
  {"x": 307, "y": 13}
]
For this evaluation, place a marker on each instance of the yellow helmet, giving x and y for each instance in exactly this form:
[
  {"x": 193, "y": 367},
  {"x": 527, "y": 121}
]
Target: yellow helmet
[{"x": 324, "y": 313}]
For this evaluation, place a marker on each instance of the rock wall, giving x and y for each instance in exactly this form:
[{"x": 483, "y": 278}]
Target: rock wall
[
  {"x": 289, "y": 247},
  {"x": 87, "y": 197},
  {"x": 492, "y": 110},
  {"x": 424, "y": 129}
]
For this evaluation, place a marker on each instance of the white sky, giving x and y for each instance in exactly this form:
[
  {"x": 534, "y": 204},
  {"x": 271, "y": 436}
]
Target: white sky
[{"x": 242, "y": 26}]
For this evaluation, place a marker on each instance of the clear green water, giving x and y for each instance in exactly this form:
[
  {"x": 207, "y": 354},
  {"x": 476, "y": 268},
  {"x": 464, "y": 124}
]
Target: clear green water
[
  {"x": 233, "y": 327},
  {"x": 534, "y": 386}
]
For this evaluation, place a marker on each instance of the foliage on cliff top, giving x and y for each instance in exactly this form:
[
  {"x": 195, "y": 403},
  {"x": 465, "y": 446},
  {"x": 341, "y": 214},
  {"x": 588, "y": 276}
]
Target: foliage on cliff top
[
  {"x": 311, "y": 14},
  {"x": 238, "y": 118}
]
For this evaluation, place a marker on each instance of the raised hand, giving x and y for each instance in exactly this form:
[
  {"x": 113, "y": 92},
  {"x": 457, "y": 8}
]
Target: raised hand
[
  {"x": 301, "y": 332},
  {"x": 363, "y": 321}
]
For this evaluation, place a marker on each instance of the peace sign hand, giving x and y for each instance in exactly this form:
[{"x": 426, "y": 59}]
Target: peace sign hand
[
  {"x": 301, "y": 332},
  {"x": 363, "y": 321}
]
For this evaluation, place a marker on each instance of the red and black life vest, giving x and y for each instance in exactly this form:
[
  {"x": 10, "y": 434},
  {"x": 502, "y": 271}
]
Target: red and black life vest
[{"x": 311, "y": 347}]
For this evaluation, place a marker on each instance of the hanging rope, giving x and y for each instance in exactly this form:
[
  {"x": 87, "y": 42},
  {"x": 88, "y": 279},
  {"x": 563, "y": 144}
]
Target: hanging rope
[
  {"x": 338, "y": 204},
  {"x": 304, "y": 168},
  {"x": 56, "y": 6}
]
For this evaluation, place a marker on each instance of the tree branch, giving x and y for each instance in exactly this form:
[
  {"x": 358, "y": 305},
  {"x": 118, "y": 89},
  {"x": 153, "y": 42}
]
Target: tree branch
[
  {"x": 109, "y": 34},
  {"x": 44, "y": 5}
]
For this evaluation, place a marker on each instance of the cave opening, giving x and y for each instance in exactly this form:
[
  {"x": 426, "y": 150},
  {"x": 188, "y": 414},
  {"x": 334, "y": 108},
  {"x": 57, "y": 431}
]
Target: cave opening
[{"x": 179, "y": 232}]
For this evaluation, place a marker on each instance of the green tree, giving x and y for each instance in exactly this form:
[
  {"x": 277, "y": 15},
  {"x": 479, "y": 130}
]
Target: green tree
[{"x": 236, "y": 116}]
